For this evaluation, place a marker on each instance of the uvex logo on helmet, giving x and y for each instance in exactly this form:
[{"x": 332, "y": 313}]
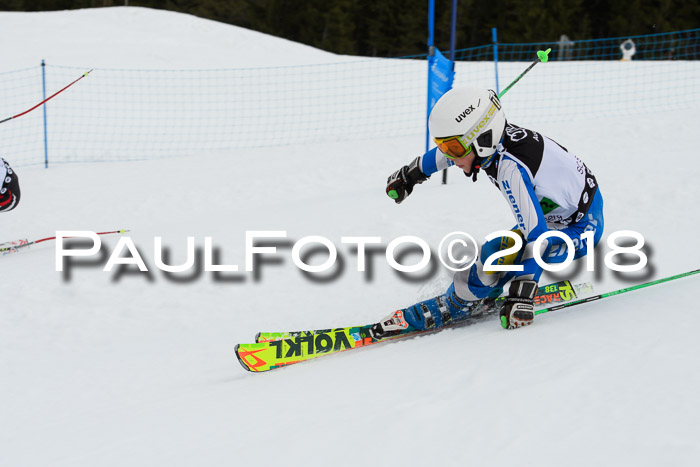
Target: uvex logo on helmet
[
  {"x": 478, "y": 127},
  {"x": 466, "y": 112}
]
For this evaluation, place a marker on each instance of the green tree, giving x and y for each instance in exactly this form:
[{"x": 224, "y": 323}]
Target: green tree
[{"x": 400, "y": 27}]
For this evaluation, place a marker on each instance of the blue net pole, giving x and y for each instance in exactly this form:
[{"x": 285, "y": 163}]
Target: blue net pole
[
  {"x": 43, "y": 93},
  {"x": 453, "y": 44},
  {"x": 431, "y": 34},
  {"x": 494, "y": 36}
]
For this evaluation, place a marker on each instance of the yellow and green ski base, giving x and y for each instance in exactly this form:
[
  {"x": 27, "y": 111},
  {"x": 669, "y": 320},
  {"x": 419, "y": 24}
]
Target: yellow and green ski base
[
  {"x": 277, "y": 349},
  {"x": 306, "y": 345}
]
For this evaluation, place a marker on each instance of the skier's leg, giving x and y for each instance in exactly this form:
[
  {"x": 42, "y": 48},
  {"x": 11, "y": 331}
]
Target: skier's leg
[
  {"x": 592, "y": 221},
  {"x": 518, "y": 309},
  {"x": 476, "y": 283},
  {"x": 467, "y": 291},
  {"x": 554, "y": 250}
]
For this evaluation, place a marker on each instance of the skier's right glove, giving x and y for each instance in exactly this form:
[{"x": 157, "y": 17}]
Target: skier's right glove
[
  {"x": 519, "y": 307},
  {"x": 400, "y": 184}
]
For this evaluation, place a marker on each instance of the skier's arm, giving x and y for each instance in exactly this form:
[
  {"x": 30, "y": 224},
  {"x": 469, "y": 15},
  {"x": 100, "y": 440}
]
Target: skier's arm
[
  {"x": 9, "y": 187},
  {"x": 434, "y": 161},
  {"x": 517, "y": 188},
  {"x": 400, "y": 184}
]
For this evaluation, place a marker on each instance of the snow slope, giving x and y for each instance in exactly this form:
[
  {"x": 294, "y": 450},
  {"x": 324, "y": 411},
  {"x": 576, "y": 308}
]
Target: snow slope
[
  {"x": 138, "y": 369},
  {"x": 120, "y": 37}
]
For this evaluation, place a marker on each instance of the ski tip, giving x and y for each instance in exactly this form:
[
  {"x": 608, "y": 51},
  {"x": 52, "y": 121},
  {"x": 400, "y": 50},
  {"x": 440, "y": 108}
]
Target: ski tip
[
  {"x": 257, "y": 338},
  {"x": 240, "y": 360}
]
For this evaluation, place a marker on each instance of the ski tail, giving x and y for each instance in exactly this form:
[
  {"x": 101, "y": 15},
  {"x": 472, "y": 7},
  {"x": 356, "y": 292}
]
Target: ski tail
[
  {"x": 265, "y": 356},
  {"x": 240, "y": 359}
]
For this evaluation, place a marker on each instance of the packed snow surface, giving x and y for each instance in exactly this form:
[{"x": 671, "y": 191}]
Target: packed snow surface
[
  {"x": 104, "y": 368},
  {"x": 143, "y": 38}
]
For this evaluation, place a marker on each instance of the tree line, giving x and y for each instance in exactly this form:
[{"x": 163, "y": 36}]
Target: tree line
[{"x": 390, "y": 28}]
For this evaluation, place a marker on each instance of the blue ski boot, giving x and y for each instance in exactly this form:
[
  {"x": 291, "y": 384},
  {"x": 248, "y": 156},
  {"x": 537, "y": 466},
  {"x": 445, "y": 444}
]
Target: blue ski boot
[{"x": 429, "y": 314}]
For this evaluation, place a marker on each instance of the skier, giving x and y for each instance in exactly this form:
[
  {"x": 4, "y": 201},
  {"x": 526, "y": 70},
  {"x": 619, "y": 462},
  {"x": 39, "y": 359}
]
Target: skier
[
  {"x": 546, "y": 187},
  {"x": 9, "y": 187}
]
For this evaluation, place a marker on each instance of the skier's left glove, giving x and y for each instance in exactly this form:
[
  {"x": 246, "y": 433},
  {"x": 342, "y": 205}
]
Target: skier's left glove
[
  {"x": 519, "y": 307},
  {"x": 400, "y": 184}
]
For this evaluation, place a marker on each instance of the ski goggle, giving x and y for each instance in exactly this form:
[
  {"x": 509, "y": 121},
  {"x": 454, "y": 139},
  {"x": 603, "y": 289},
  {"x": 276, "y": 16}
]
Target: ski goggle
[{"x": 453, "y": 147}]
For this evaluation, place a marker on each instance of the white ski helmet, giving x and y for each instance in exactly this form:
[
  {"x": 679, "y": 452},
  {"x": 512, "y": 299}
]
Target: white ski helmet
[{"x": 475, "y": 114}]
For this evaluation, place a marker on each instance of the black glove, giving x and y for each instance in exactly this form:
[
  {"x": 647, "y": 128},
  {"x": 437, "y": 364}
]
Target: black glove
[
  {"x": 400, "y": 184},
  {"x": 519, "y": 307},
  {"x": 9, "y": 187}
]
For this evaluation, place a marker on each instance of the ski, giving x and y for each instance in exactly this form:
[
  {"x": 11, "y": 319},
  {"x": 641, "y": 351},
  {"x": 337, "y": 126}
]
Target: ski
[
  {"x": 277, "y": 349},
  {"x": 264, "y": 356},
  {"x": 562, "y": 291}
]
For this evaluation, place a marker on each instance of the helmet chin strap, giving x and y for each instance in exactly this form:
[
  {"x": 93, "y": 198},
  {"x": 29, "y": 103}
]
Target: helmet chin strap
[
  {"x": 476, "y": 166},
  {"x": 479, "y": 162}
]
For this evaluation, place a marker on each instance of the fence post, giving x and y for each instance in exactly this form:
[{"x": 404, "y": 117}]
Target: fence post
[
  {"x": 43, "y": 89},
  {"x": 431, "y": 52},
  {"x": 453, "y": 43},
  {"x": 494, "y": 36}
]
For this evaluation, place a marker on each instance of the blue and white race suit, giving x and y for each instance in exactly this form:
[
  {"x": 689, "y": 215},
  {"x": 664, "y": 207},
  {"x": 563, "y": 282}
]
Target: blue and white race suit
[{"x": 547, "y": 188}]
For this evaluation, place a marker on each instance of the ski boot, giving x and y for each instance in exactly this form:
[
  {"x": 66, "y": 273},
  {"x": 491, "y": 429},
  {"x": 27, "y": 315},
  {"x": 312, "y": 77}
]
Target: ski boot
[{"x": 426, "y": 315}]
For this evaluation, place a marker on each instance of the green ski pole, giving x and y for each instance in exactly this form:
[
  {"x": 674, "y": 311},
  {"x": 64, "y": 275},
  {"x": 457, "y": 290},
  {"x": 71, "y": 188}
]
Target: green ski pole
[
  {"x": 616, "y": 292},
  {"x": 542, "y": 56}
]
